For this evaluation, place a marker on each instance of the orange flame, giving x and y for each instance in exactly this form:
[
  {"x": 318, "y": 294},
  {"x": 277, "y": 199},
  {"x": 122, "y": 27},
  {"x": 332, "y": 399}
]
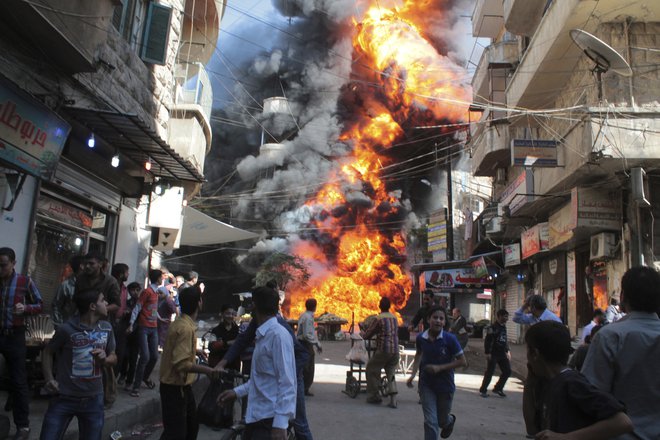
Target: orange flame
[{"x": 360, "y": 255}]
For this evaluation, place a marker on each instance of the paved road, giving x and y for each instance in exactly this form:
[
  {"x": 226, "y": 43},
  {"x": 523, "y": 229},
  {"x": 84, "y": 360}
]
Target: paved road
[{"x": 335, "y": 416}]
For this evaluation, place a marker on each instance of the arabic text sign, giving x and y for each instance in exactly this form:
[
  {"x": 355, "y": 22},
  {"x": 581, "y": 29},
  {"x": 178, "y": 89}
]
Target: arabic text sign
[
  {"x": 533, "y": 152},
  {"x": 511, "y": 254},
  {"x": 31, "y": 136},
  {"x": 454, "y": 278},
  {"x": 518, "y": 193}
]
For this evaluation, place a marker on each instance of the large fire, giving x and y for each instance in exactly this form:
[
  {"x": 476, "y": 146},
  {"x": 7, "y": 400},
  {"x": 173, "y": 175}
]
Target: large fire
[{"x": 360, "y": 244}]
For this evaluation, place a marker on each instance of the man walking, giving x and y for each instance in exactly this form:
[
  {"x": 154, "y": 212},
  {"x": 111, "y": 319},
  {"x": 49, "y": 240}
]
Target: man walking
[
  {"x": 623, "y": 357},
  {"x": 177, "y": 371},
  {"x": 598, "y": 319},
  {"x": 84, "y": 345},
  {"x": 145, "y": 313},
  {"x": 63, "y": 307},
  {"x": 423, "y": 312},
  {"x": 93, "y": 277},
  {"x": 20, "y": 297},
  {"x": 458, "y": 327},
  {"x": 496, "y": 347},
  {"x": 307, "y": 336},
  {"x": 385, "y": 328},
  {"x": 271, "y": 389}
]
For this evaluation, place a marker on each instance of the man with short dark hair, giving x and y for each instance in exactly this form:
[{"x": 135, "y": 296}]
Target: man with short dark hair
[
  {"x": 177, "y": 371},
  {"x": 271, "y": 389},
  {"x": 145, "y": 313},
  {"x": 20, "y": 297},
  {"x": 613, "y": 312},
  {"x": 496, "y": 347},
  {"x": 63, "y": 307},
  {"x": 93, "y": 277},
  {"x": 307, "y": 336},
  {"x": 598, "y": 319},
  {"x": 623, "y": 357},
  {"x": 385, "y": 328},
  {"x": 533, "y": 310},
  {"x": 422, "y": 313},
  {"x": 84, "y": 345}
]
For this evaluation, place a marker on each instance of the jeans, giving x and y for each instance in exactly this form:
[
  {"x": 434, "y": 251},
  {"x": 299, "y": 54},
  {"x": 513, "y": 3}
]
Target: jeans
[
  {"x": 505, "y": 367},
  {"x": 62, "y": 409},
  {"x": 436, "y": 408},
  {"x": 300, "y": 424},
  {"x": 308, "y": 371},
  {"x": 12, "y": 347},
  {"x": 148, "y": 342},
  {"x": 179, "y": 412}
]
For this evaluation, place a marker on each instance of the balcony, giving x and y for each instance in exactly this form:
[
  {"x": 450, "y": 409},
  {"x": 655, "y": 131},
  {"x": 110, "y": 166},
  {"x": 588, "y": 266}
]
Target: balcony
[
  {"x": 522, "y": 17},
  {"x": 189, "y": 126},
  {"x": 551, "y": 58},
  {"x": 56, "y": 28},
  {"x": 201, "y": 27},
  {"x": 496, "y": 60},
  {"x": 491, "y": 148},
  {"x": 487, "y": 18}
]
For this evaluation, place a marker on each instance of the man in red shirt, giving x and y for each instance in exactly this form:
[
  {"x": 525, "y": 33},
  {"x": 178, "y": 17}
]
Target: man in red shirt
[{"x": 146, "y": 315}]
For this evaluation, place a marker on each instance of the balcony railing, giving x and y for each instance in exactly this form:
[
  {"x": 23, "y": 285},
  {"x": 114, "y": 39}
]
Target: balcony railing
[{"x": 193, "y": 88}]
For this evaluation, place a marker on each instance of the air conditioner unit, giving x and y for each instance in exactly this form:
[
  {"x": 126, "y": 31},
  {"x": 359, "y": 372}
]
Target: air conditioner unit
[
  {"x": 603, "y": 245},
  {"x": 494, "y": 225}
]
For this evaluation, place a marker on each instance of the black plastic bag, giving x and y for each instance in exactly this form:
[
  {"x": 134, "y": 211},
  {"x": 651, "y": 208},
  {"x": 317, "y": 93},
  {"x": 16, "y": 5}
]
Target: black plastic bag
[{"x": 210, "y": 413}]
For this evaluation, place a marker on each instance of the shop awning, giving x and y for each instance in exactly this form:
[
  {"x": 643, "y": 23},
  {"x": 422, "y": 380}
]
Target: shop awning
[
  {"x": 199, "y": 229},
  {"x": 134, "y": 139}
]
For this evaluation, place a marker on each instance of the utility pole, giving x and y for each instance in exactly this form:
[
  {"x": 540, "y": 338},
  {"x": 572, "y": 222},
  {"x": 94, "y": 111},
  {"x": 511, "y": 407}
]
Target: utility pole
[{"x": 450, "y": 210}]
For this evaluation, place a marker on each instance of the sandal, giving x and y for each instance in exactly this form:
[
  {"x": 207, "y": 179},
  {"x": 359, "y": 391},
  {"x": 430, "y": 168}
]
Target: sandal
[
  {"x": 135, "y": 393},
  {"x": 150, "y": 384}
]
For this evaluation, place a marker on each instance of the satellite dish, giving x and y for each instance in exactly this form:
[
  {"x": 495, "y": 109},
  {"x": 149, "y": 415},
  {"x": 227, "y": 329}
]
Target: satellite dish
[{"x": 602, "y": 54}]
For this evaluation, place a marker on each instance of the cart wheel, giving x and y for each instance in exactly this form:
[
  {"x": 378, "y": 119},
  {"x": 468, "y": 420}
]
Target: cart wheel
[
  {"x": 352, "y": 387},
  {"x": 384, "y": 385}
]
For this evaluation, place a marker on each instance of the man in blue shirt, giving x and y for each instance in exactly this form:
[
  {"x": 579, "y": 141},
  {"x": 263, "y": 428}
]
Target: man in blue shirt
[
  {"x": 538, "y": 311},
  {"x": 271, "y": 389}
]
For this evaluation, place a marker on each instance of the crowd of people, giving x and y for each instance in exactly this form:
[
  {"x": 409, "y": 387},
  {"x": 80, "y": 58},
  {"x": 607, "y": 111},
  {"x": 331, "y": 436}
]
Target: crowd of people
[{"x": 110, "y": 333}]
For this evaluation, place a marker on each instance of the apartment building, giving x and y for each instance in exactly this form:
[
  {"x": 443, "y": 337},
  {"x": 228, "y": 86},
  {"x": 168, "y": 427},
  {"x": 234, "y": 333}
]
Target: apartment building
[
  {"x": 570, "y": 136},
  {"x": 104, "y": 128}
]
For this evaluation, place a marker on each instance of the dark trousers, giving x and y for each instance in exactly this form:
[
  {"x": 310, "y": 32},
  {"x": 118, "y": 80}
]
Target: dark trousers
[
  {"x": 259, "y": 430},
  {"x": 179, "y": 412},
  {"x": 300, "y": 424},
  {"x": 12, "y": 347},
  {"x": 148, "y": 342},
  {"x": 505, "y": 368},
  {"x": 128, "y": 361},
  {"x": 308, "y": 371}
]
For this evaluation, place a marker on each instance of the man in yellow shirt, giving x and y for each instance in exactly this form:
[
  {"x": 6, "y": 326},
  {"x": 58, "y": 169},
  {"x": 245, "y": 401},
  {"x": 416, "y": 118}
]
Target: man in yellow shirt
[{"x": 178, "y": 368}]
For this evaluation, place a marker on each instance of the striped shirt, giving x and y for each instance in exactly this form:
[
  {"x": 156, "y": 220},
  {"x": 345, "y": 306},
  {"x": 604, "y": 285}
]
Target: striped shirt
[
  {"x": 19, "y": 290},
  {"x": 386, "y": 329}
]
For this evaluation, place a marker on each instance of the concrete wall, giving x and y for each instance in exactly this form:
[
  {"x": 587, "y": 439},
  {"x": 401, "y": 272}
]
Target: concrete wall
[{"x": 15, "y": 225}]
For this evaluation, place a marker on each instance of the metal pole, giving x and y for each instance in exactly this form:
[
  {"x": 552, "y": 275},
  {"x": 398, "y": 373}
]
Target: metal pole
[{"x": 450, "y": 212}]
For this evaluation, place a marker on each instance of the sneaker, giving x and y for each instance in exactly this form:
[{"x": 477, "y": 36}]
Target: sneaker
[
  {"x": 447, "y": 430},
  {"x": 499, "y": 393},
  {"x": 483, "y": 394},
  {"x": 22, "y": 434}
]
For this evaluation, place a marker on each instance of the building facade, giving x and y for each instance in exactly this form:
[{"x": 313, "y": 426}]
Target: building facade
[
  {"x": 104, "y": 128},
  {"x": 569, "y": 135}
]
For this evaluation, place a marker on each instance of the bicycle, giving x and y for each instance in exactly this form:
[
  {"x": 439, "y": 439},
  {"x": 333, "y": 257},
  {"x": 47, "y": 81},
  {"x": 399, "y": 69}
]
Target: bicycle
[{"x": 235, "y": 432}]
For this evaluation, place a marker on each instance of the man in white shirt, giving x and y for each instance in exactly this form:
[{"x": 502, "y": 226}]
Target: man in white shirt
[
  {"x": 598, "y": 319},
  {"x": 271, "y": 389},
  {"x": 613, "y": 313},
  {"x": 307, "y": 336},
  {"x": 623, "y": 357}
]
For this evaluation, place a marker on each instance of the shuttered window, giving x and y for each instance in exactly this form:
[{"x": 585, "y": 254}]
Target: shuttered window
[{"x": 156, "y": 34}]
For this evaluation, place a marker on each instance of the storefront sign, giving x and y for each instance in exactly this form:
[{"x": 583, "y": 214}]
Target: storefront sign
[
  {"x": 68, "y": 214},
  {"x": 454, "y": 278},
  {"x": 535, "y": 240},
  {"x": 571, "y": 288},
  {"x": 437, "y": 231},
  {"x": 562, "y": 224},
  {"x": 534, "y": 153},
  {"x": 519, "y": 192},
  {"x": 512, "y": 255},
  {"x": 479, "y": 267},
  {"x": 31, "y": 136}
]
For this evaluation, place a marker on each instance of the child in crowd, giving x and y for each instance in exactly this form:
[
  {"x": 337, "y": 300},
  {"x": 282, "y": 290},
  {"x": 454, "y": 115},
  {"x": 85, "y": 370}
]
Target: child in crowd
[
  {"x": 438, "y": 354},
  {"x": 83, "y": 345},
  {"x": 570, "y": 404}
]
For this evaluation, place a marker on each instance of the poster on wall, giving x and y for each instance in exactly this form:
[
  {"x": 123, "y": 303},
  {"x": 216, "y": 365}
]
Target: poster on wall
[
  {"x": 512, "y": 255},
  {"x": 455, "y": 278}
]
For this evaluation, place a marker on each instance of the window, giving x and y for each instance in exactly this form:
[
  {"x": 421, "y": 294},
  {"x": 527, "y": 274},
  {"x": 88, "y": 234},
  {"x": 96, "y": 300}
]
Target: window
[
  {"x": 123, "y": 18},
  {"x": 156, "y": 34}
]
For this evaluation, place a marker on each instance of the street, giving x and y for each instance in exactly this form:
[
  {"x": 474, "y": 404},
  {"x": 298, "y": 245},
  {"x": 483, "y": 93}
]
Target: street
[{"x": 335, "y": 416}]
